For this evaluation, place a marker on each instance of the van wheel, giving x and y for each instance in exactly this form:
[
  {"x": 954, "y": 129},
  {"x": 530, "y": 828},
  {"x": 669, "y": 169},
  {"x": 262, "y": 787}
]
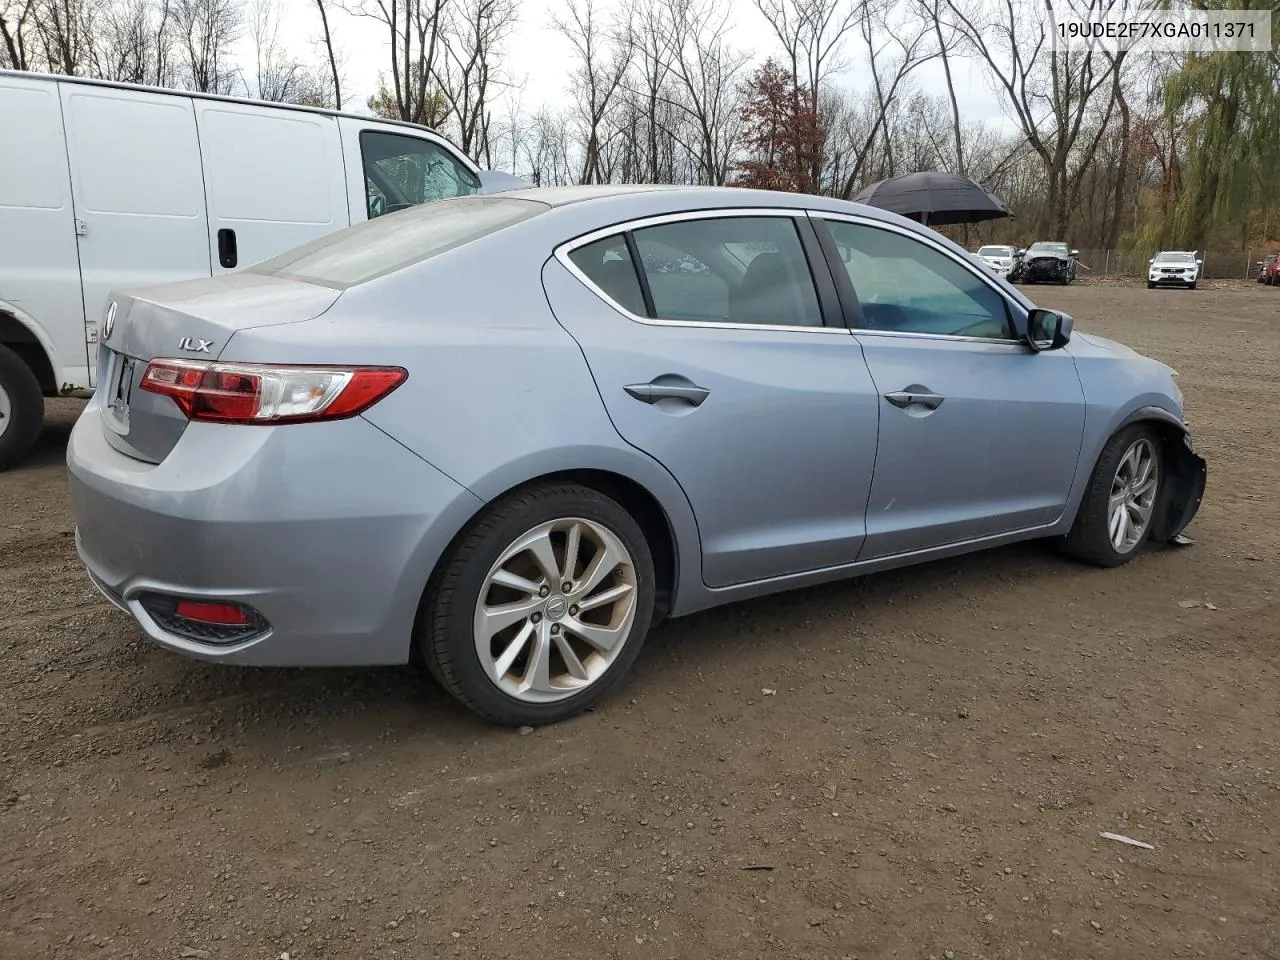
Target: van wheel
[
  {"x": 21, "y": 408},
  {"x": 541, "y": 607}
]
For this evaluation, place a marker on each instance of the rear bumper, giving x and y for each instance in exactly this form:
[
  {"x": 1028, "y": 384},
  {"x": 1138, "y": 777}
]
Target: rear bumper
[{"x": 330, "y": 531}]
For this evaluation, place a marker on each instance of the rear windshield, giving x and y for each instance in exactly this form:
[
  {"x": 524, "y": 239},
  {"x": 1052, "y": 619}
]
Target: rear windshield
[{"x": 378, "y": 247}]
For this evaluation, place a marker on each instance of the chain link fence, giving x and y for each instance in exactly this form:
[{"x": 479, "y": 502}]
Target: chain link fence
[{"x": 1218, "y": 265}]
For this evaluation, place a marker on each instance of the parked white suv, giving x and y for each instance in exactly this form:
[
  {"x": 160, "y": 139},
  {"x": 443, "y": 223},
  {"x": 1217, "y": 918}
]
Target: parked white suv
[
  {"x": 109, "y": 186},
  {"x": 999, "y": 258},
  {"x": 1174, "y": 268}
]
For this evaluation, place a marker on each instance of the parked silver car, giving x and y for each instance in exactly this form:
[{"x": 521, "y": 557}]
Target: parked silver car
[{"x": 501, "y": 436}]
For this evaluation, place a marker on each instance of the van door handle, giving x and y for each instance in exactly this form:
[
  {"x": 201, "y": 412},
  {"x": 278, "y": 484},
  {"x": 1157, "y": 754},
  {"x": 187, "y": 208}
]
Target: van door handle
[
  {"x": 227, "y": 255},
  {"x": 905, "y": 398}
]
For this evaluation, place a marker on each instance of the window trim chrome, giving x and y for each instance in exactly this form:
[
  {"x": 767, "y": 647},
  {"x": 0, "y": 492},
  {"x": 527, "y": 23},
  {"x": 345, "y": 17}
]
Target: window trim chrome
[
  {"x": 562, "y": 252},
  {"x": 1012, "y": 305}
]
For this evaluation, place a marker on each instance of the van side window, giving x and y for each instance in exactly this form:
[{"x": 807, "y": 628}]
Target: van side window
[{"x": 401, "y": 171}]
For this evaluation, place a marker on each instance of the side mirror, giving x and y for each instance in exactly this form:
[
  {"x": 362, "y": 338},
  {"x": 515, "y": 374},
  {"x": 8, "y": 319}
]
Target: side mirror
[
  {"x": 1199, "y": 263},
  {"x": 495, "y": 181},
  {"x": 1152, "y": 260},
  {"x": 1047, "y": 330},
  {"x": 1019, "y": 252},
  {"x": 1075, "y": 253}
]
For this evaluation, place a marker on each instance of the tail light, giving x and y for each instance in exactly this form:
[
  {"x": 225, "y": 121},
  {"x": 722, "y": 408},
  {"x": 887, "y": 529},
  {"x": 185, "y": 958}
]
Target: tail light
[{"x": 268, "y": 393}]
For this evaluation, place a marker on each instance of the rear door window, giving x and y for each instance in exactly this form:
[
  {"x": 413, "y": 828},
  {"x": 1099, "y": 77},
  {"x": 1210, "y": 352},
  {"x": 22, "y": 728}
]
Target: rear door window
[{"x": 741, "y": 270}]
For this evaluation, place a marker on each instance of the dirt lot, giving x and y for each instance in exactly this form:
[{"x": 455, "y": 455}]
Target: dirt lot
[{"x": 929, "y": 777}]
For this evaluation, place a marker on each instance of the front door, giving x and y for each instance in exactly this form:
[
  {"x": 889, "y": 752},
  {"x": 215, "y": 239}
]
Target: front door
[
  {"x": 978, "y": 435},
  {"x": 714, "y": 359},
  {"x": 137, "y": 189}
]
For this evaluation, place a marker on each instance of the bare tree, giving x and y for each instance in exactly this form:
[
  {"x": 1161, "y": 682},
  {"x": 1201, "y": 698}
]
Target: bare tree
[
  {"x": 278, "y": 74},
  {"x": 604, "y": 53},
  {"x": 15, "y": 21},
  {"x": 890, "y": 70},
  {"x": 332, "y": 54},
  {"x": 931, "y": 11},
  {"x": 134, "y": 42},
  {"x": 470, "y": 75},
  {"x": 63, "y": 28},
  {"x": 708, "y": 70},
  {"x": 414, "y": 29},
  {"x": 1049, "y": 92},
  {"x": 208, "y": 29}
]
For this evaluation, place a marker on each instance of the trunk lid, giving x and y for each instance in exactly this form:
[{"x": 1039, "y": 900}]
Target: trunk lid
[{"x": 192, "y": 320}]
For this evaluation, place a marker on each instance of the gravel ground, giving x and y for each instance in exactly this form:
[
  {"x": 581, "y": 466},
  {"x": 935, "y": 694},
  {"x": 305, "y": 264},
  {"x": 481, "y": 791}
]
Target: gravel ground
[{"x": 916, "y": 764}]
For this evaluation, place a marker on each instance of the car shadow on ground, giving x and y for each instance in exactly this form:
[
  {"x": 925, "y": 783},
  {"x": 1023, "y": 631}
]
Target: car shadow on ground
[{"x": 354, "y": 707}]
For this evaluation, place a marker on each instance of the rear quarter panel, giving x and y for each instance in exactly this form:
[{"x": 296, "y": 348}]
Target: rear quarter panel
[{"x": 498, "y": 393}]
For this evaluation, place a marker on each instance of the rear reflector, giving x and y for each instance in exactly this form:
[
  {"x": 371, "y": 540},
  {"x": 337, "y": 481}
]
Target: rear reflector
[
  {"x": 222, "y": 614},
  {"x": 268, "y": 393}
]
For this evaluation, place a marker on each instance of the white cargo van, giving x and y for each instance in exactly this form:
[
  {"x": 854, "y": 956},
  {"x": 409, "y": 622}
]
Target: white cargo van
[{"x": 110, "y": 185}]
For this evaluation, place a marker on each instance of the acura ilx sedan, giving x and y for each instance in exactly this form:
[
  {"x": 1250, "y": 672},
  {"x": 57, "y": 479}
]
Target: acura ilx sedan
[{"x": 502, "y": 436}]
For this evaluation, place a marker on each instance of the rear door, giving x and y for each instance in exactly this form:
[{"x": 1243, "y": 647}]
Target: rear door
[
  {"x": 137, "y": 189},
  {"x": 390, "y": 167},
  {"x": 274, "y": 179},
  {"x": 39, "y": 273},
  {"x": 717, "y": 362}
]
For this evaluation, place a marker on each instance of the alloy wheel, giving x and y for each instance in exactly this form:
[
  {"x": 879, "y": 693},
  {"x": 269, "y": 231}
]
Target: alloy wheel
[
  {"x": 555, "y": 610},
  {"x": 1133, "y": 495}
]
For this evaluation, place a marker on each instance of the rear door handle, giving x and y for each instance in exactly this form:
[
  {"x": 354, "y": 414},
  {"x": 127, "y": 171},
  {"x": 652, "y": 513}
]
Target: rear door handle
[
  {"x": 653, "y": 392},
  {"x": 906, "y": 398}
]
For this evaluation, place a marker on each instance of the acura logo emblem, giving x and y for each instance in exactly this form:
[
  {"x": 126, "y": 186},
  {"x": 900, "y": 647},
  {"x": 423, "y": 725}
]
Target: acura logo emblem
[
  {"x": 557, "y": 607},
  {"x": 109, "y": 326}
]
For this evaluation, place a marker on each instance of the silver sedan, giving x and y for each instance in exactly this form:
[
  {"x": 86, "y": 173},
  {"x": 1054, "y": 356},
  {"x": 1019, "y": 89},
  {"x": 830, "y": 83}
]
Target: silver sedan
[{"x": 501, "y": 436}]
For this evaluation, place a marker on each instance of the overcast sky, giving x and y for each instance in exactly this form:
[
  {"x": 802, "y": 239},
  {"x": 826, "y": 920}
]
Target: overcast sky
[{"x": 540, "y": 60}]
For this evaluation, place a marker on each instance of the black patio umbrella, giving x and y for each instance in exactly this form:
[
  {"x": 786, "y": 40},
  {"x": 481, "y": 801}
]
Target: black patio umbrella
[{"x": 935, "y": 198}]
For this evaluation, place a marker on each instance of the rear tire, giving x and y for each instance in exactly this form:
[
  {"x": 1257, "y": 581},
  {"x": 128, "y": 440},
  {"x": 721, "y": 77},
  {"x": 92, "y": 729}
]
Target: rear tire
[
  {"x": 562, "y": 649},
  {"x": 21, "y": 408},
  {"x": 1094, "y": 537}
]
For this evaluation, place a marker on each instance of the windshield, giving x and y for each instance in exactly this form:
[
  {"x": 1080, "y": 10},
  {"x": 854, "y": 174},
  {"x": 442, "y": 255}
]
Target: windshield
[
  {"x": 1168, "y": 257},
  {"x": 392, "y": 242},
  {"x": 1044, "y": 247},
  {"x": 995, "y": 251}
]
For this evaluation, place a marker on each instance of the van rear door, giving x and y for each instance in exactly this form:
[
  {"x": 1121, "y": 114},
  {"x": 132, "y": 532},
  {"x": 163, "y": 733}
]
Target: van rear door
[
  {"x": 137, "y": 188},
  {"x": 39, "y": 275},
  {"x": 273, "y": 177}
]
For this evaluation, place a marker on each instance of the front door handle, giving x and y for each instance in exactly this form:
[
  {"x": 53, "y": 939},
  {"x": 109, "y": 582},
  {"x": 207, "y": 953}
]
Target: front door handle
[
  {"x": 910, "y": 398},
  {"x": 654, "y": 391}
]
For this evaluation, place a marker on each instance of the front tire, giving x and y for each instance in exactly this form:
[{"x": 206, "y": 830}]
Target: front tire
[
  {"x": 541, "y": 607},
  {"x": 1151, "y": 285},
  {"x": 1191, "y": 286},
  {"x": 1115, "y": 514},
  {"x": 21, "y": 408}
]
